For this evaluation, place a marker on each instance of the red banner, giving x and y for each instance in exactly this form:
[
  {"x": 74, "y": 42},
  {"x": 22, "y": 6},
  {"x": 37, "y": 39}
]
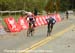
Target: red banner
[
  {"x": 12, "y": 25},
  {"x": 23, "y": 24}
]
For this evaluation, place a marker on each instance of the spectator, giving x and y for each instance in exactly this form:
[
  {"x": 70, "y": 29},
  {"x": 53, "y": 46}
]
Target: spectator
[
  {"x": 67, "y": 14},
  {"x": 35, "y": 11}
]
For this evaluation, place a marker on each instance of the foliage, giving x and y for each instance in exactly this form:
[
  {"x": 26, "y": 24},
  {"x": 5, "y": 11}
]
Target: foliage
[{"x": 29, "y": 5}]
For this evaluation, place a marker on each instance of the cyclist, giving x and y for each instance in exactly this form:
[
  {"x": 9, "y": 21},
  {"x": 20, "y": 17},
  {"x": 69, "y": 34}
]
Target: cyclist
[
  {"x": 31, "y": 20},
  {"x": 50, "y": 21}
]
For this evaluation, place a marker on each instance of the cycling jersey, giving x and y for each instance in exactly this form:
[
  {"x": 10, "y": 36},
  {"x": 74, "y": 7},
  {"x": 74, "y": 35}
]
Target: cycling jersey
[
  {"x": 51, "y": 20},
  {"x": 31, "y": 20}
]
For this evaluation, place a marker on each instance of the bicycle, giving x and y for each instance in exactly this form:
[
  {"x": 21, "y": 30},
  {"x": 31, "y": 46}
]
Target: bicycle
[{"x": 30, "y": 30}]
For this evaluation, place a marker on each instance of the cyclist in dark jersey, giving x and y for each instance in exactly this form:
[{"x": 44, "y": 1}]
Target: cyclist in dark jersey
[{"x": 50, "y": 21}]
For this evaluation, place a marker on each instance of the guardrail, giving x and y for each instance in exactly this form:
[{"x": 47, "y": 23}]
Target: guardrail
[{"x": 10, "y": 12}]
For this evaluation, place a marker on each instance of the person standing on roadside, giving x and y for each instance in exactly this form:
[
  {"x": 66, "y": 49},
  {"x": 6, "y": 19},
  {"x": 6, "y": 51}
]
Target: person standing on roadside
[
  {"x": 35, "y": 11},
  {"x": 67, "y": 14}
]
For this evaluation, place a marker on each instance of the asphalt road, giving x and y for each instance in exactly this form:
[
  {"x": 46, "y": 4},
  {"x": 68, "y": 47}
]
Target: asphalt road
[{"x": 64, "y": 43}]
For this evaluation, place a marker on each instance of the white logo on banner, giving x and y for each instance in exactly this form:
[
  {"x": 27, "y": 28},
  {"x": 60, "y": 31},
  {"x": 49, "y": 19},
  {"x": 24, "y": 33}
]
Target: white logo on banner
[
  {"x": 22, "y": 23},
  {"x": 12, "y": 23}
]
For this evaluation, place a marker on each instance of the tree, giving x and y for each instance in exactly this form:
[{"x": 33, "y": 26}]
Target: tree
[{"x": 29, "y": 5}]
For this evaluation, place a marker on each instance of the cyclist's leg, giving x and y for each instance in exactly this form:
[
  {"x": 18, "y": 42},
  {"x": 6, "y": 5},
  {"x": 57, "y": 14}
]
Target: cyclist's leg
[
  {"x": 29, "y": 29},
  {"x": 48, "y": 29},
  {"x": 33, "y": 22},
  {"x": 32, "y": 32},
  {"x": 52, "y": 26},
  {"x": 28, "y": 32},
  {"x": 32, "y": 29}
]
